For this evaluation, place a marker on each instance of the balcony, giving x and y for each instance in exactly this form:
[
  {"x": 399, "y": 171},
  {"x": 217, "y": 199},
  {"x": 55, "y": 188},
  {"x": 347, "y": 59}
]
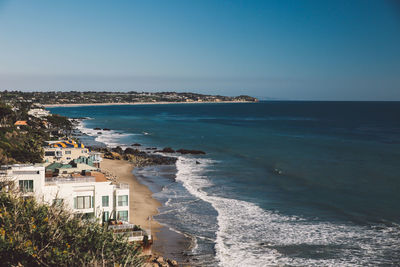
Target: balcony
[
  {"x": 131, "y": 232},
  {"x": 63, "y": 180}
]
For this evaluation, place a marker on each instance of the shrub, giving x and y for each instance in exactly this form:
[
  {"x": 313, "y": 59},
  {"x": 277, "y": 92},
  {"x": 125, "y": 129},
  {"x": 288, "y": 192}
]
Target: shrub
[{"x": 33, "y": 233}]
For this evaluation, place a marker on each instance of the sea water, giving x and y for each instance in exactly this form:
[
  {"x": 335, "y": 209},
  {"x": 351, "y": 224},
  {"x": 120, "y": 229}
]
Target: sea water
[{"x": 282, "y": 183}]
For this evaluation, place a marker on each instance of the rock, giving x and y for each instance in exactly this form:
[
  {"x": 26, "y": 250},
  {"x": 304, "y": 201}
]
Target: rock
[
  {"x": 118, "y": 150},
  {"x": 136, "y": 144},
  {"x": 193, "y": 152},
  {"x": 160, "y": 260},
  {"x": 106, "y": 129},
  {"x": 166, "y": 150},
  {"x": 172, "y": 262},
  {"x": 142, "y": 159},
  {"x": 197, "y": 162},
  {"x": 112, "y": 155},
  {"x": 97, "y": 129},
  {"x": 131, "y": 151},
  {"x": 99, "y": 132}
]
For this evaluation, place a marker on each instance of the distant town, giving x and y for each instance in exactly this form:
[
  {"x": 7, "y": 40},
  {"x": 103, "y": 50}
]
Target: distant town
[{"x": 91, "y": 97}]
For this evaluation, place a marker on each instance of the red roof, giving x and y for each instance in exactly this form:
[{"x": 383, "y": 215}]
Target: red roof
[{"x": 19, "y": 123}]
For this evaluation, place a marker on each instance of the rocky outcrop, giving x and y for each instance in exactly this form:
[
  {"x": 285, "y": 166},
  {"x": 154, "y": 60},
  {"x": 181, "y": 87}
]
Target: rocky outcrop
[
  {"x": 136, "y": 144},
  {"x": 190, "y": 151},
  {"x": 144, "y": 159},
  {"x": 166, "y": 150},
  {"x": 118, "y": 150},
  {"x": 158, "y": 261},
  {"x": 132, "y": 151},
  {"x": 112, "y": 155}
]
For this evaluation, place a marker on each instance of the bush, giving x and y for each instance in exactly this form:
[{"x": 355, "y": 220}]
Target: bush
[{"x": 33, "y": 233}]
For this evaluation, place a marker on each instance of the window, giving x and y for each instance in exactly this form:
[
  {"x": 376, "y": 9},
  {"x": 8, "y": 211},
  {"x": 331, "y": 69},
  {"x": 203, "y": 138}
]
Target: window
[
  {"x": 83, "y": 202},
  {"x": 106, "y": 216},
  {"x": 104, "y": 200},
  {"x": 68, "y": 152},
  {"x": 123, "y": 215},
  {"x": 58, "y": 201},
  {"x": 123, "y": 200},
  {"x": 49, "y": 153},
  {"x": 26, "y": 185}
]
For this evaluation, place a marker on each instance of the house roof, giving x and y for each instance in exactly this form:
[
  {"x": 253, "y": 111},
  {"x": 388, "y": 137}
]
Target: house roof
[
  {"x": 57, "y": 165},
  {"x": 67, "y": 143},
  {"x": 100, "y": 177},
  {"x": 19, "y": 123}
]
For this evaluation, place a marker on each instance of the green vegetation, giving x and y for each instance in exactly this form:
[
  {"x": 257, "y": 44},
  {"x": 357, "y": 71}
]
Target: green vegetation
[
  {"x": 33, "y": 234},
  {"x": 24, "y": 144},
  {"x": 88, "y": 97}
]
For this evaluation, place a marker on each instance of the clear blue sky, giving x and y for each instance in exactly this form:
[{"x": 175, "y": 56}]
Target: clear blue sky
[{"x": 318, "y": 50}]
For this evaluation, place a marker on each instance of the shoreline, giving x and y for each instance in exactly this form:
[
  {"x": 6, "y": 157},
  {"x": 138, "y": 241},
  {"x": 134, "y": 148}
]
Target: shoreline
[
  {"x": 142, "y": 205},
  {"x": 142, "y": 103}
]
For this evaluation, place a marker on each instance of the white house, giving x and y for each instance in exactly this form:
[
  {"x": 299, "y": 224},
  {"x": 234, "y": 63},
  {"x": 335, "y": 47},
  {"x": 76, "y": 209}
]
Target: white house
[
  {"x": 92, "y": 196},
  {"x": 29, "y": 178},
  {"x": 38, "y": 112}
]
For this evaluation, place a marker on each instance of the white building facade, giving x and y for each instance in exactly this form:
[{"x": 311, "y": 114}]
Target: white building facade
[
  {"x": 38, "y": 112},
  {"x": 83, "y": 195}
]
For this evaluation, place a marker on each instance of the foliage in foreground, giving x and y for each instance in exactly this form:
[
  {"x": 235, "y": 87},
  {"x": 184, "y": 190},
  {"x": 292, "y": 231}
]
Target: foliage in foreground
[{"x": 33, "y": 234}]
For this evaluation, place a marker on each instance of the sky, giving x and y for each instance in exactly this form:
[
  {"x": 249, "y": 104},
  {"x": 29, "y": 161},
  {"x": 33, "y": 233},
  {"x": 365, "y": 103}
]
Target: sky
[{"x": 291, "y": 50}]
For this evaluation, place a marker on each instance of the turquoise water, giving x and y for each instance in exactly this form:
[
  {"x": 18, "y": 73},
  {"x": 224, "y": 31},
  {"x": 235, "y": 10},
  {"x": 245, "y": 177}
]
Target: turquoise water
[{"x": 297, "y": 183}]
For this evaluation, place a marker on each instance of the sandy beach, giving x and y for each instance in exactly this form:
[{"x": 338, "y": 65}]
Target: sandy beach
[
  {"x": 139, "y": 103},
  {"x": 141, "y": 203}
]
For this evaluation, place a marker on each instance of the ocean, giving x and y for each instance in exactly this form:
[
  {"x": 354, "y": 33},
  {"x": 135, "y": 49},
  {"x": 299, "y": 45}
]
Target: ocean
[{"x": 282, "y": 182}]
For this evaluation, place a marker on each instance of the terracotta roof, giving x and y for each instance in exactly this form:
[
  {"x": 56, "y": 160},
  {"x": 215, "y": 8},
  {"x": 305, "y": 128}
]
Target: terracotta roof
[
  {"x": 19, "y": 123},
  {"x": 100, "y": 177}
]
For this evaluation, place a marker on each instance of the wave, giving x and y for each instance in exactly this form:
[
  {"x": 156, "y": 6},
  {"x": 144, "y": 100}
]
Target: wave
[
  {"x": 110, "y": 138},
  {"x": 247, "y": 235}
]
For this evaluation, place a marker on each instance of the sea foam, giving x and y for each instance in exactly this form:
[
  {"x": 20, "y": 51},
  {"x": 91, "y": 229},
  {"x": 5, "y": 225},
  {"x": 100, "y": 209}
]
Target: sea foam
[{"x": 248, "y": 235}]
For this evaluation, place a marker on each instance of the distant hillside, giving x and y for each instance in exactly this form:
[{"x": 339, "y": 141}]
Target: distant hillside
[{"x": 74, "y": 97}]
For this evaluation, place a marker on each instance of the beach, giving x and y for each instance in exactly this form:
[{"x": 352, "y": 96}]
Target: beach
[{"x": 142, "y": 205}]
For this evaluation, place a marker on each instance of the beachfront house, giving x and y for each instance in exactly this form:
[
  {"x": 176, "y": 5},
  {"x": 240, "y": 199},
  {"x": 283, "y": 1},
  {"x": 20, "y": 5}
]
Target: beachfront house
[
  {"x": 28, "y": 178},
  {"x": 60, "y": 169},
  {"x": 64, "y": 151},
  {"x": 38, "y": 112},
  {"x": 92, "y": 196},
  {"x": 96, "y": 158}
]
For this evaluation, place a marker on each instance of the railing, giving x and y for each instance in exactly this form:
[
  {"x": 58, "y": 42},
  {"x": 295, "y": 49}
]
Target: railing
[
  {"x": 121, "y": 226},
  {"x": 135, "y": 235},
  {"x": 57, "y": 180},
  {"x": 122, "y": 186}
]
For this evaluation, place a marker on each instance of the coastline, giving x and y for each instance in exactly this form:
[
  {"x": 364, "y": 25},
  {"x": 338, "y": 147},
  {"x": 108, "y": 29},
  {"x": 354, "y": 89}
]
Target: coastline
[
  {"x": 166, "y": 243},
  {"x": 142, "y": 103},
  {"x": 141, "y": 203}
]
